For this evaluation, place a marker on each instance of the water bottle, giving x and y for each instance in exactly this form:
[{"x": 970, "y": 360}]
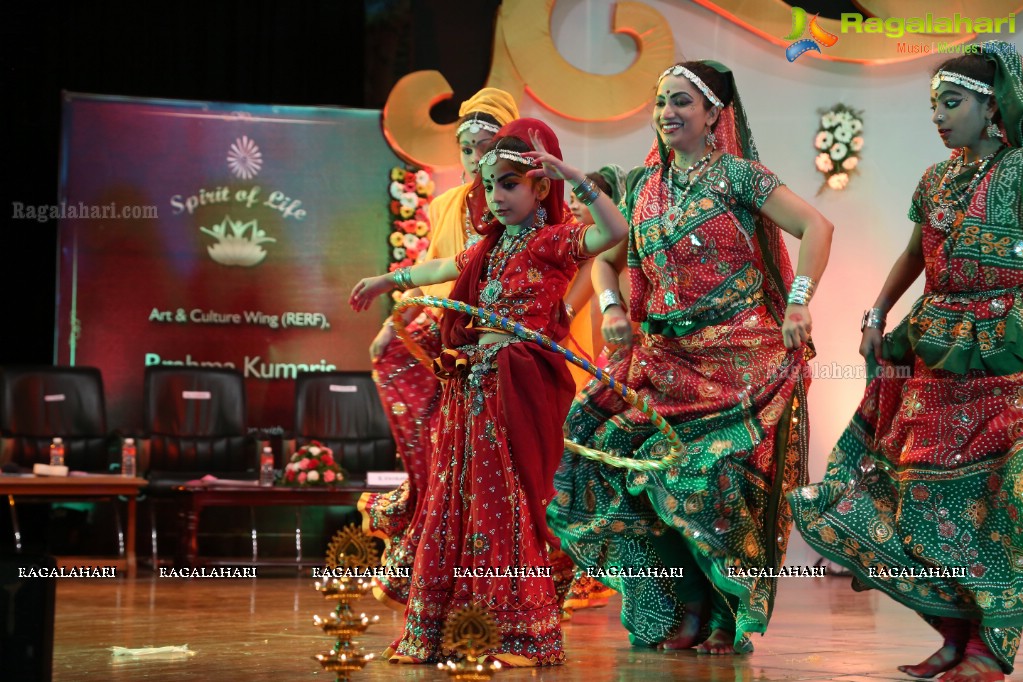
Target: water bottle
[
  {"x": 128, "y": 458},
  {"x": 57, "y": 452},
  {"x": 266, "y": 468}
]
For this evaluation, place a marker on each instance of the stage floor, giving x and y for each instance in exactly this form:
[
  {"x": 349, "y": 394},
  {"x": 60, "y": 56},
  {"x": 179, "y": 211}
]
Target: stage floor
[{"x": 261, "y": 629}]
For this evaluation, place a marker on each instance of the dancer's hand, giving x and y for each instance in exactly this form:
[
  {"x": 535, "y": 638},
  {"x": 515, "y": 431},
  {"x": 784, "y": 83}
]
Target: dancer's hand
[
  {"x": 795, "y": 331},
  {"x": 616, "y": 328},
  {"x": 367, "y": 289},
  {"x": 553, "y": 167},
  {"x": 382, "y": 340},
  {"x": 870, "y": 343}
]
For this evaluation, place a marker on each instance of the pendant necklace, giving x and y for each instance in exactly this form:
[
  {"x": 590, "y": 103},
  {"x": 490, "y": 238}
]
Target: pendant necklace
[
  {"x": 471, "y": 234},
  {"x": 498, "y": 260},
  {"x": 673, "y": 214},
  {"x": 943, "y": 212}
]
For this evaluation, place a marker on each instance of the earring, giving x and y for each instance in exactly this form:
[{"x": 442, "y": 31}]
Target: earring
[
  {"x": 541, "y": 217},
  {"x": 993, "y": 131},
  {"x": 711, "y": 139}
]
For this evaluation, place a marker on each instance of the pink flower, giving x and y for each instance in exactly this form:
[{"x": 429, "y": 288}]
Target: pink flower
[
  {"x": 302, "y": 477},
  {"x": 328, "y": 476}
]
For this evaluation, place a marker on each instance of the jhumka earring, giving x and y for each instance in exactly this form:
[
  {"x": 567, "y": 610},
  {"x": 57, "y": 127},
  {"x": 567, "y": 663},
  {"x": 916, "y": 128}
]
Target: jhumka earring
[
  {"x": 993, "y": 131},
  {"x": 711, "y": 139},
  {"x": 541, "y": 217}
]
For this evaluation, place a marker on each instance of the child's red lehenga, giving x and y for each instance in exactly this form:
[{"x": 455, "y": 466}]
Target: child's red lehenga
[{"x": 499, "y": 439}]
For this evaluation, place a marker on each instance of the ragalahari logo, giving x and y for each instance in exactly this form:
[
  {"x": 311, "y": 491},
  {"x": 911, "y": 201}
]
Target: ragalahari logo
[{"x": 818, "y": 36}]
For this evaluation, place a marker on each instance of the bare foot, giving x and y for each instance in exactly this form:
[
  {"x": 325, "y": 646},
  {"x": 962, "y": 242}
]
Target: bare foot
[
  {"x": 688, "y": 635},
  {"x": 720, "y": 643},
  {"x": 938, "y": 662},
  {"x": 974, "y": 668}
]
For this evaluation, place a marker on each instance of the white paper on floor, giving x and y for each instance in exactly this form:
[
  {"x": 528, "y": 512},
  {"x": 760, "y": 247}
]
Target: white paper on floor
[{"x": 153, "y": 651}]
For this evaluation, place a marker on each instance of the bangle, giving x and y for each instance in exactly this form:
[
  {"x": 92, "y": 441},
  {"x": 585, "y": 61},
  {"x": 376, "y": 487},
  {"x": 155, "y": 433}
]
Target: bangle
[
  {"x": 802, "y": 290},
  {"x": 586, "y": 191},
  {"x": 571, "y": 311},
  {"x": 403, "y": 278},
  {"x": 608, "y": 298},
  {"x": 872, "y": 319}
]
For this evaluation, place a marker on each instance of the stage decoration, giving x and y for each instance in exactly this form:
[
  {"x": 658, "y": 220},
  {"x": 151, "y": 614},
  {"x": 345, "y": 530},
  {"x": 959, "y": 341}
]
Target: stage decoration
[
  {"x": 776, "y": 21},
  {"x": 411, "y": 191},
  {"x": 352, "y": 547},
  {"x": 183, "y": 259},
  {"x": 469, "y": 632},
  {"x": 244, "y": 158},
  {"x": 838, "y": 144},
  {"x": 676, "y": 450},
  {"x": 238, "y": 243},
  {"x": 350, "y": 553},
  {"x": 525, "y": 56},
  {"x": 312, "y": 465}
]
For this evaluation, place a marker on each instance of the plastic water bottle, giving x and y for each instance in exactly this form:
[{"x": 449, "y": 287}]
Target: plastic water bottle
[
  {"x": 57, "y": 452},
  {"x": 266, "y": 468},
  {"x": 128, "y": 458}
]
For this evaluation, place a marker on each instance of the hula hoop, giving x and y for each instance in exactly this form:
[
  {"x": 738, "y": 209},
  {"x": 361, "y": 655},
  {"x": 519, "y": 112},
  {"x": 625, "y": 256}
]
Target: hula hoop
[{"x": 676, "y": 449}]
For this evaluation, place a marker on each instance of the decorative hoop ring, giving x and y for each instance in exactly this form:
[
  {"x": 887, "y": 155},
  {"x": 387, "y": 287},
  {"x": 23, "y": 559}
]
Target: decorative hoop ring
[{"x": 676, "y": 449}]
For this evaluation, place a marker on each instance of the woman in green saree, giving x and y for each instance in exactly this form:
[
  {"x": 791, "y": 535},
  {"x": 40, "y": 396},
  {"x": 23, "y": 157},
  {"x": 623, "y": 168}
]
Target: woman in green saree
[
  {"x": 923, "y": 492},
  {"x": 721, "y": 356}
]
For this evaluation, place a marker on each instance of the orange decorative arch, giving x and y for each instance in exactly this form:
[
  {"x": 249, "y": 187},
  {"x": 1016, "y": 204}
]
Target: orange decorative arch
[{"x": 526, "y": 58}]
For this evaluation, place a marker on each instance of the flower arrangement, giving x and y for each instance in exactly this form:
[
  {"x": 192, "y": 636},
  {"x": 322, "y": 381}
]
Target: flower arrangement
[
  {"x": 313, "y": 464},
  {"x": 411, "y": 192},
  {"x": 838, "y": 144}
]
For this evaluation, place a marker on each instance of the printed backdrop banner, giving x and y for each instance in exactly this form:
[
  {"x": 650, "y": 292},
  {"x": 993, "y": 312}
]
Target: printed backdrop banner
[{"x": 219, "y": 235}]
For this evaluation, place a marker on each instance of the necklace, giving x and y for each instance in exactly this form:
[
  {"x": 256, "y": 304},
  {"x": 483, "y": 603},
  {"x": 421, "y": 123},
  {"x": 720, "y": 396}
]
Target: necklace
[
  {"x": 946, "y": 207},
  {"x": 674, "y": 207},
  {"x": 471, "y": 234},
  {"x": 498, "y": 260}
]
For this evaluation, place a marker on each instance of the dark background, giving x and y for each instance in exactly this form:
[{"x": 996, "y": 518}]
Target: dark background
[{"x": 346, "y": 53}]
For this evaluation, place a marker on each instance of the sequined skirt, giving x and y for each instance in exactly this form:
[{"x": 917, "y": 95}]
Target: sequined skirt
[{"x": 480, "y": 545}]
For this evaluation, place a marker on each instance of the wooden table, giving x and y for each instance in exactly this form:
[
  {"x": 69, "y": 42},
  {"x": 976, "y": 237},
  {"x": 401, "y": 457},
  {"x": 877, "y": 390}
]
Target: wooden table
[
  {"x": 223, "y": 494},
  {"x": 98, "y": 486}
]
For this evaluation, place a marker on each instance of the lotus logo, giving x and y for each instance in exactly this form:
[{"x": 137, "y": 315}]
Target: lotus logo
[
  {"x": 818, "y": 36},
  {"x": 238, "y": 243}
]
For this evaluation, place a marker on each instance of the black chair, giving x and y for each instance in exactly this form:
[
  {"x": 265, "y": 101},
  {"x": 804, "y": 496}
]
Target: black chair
[
  {"x": 195, "y": 423},
  {"x": 38, "y": 403},
  {"x": 343, "y": 411}
]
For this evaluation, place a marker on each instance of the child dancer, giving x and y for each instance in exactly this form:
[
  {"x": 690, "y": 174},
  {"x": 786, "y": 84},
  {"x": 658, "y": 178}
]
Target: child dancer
[{"x": 485, "y": 539}]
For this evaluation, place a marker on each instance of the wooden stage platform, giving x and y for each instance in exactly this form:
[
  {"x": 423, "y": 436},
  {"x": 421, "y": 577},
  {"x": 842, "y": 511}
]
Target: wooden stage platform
[{"x": 261, "y": 630}]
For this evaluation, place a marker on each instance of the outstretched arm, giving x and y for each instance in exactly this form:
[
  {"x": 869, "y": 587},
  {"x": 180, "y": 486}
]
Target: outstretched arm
[
  {"x": 801, "y": 220},
  {"x": 431, "y": 272}
]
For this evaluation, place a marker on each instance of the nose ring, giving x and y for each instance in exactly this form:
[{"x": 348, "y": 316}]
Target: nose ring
[{"x": 939, "y": 118}]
